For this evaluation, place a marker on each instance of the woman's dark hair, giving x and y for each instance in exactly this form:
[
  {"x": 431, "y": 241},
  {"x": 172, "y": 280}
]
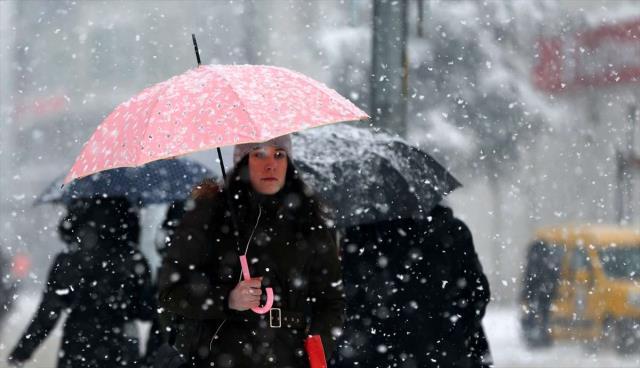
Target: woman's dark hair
[{"x": 296, "y": 197}]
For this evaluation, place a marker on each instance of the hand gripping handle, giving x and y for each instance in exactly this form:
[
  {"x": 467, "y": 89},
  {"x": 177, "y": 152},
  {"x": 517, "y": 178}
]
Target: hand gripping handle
[{"x": 245, "y": 275}]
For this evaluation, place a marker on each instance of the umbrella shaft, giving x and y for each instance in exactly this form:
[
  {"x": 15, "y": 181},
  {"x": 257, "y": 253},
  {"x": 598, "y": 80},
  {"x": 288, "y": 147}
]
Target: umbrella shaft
[
  {"x": 195, "y": 46},
  {"x": 224, "y": 173}
]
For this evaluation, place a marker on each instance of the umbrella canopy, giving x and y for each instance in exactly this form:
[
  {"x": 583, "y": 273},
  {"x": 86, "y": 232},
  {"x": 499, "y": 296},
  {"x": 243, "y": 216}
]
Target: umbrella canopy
[
  {"x": 368, "y": 177},
  {"x": 208, "y": 107},
  {"x": 160, "y": 181}
]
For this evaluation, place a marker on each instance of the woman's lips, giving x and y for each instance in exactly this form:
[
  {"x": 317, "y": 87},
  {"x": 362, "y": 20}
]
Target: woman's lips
[{"x": 269, "y": 179}]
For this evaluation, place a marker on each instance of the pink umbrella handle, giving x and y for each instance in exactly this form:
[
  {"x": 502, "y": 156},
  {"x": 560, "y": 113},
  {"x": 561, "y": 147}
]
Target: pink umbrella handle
[{"x": 245, "y": 275}]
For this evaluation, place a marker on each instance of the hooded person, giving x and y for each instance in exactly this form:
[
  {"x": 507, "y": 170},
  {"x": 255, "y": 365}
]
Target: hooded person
[
  {"x": 266, "y": 213},
  {"x": 416, "y": 295},
  {"x": 103, "y": 282}
]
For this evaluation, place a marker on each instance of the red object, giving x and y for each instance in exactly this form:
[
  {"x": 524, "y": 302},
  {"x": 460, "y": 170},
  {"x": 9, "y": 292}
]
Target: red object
[
  {"x": 42, "y": 106},
  {"x": 21, "y": 265},
  {"x": 315, "y": 351},
  {"x": 547, "y": 73},
  {"x": 598, "y": 57}
]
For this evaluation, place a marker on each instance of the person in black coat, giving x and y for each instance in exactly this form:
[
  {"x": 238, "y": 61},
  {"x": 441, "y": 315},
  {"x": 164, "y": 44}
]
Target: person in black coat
[
  {"x": 416, "y": 295},
  {"x": 102, "y": 281},
  {"x": 271, "y": 217},
  {"x": 539, "y": 288}
]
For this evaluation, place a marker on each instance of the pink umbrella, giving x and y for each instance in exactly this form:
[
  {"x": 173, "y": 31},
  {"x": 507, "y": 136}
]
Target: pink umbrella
[{"x": 209, "y": 107}]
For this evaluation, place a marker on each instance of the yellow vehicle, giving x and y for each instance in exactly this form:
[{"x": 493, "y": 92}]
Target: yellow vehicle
[{"x": 582, "y": 282}]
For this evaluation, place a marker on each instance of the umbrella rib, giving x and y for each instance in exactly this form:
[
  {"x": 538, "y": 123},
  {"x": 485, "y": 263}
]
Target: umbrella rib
[
  {"x": 146, "y": 128},
  {"x": 240, "y": 101}
]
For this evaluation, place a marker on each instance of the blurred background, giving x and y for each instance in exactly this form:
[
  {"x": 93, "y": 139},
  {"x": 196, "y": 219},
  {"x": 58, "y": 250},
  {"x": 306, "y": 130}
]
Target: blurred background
[{"x": 532, "y": 105}]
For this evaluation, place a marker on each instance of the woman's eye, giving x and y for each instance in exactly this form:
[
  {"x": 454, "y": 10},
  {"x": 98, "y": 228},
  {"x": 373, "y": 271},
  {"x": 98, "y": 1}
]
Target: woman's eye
[
  {"x": 281, "y": 154},
  {"x": 259, "y": 154}
]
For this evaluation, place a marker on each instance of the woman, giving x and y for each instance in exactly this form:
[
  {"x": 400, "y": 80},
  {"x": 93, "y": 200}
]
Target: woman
[
  {"x": 103, "y": 282},
  {"x": 272, "y": 218}
]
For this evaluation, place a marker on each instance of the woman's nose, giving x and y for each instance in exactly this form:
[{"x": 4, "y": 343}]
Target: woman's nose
[{"x": 270, "y": 165}]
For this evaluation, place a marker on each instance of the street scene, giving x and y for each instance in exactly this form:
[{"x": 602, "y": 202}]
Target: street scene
[{"x": 324, "y": 183}]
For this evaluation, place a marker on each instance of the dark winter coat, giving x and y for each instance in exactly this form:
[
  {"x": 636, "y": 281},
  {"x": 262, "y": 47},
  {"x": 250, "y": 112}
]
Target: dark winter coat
[
  {"x": 416, "y": 295},
  {"x": 298, "y": 259},
  {"x": 104, "y": 284},
  {"x": 539, "y": 288}
]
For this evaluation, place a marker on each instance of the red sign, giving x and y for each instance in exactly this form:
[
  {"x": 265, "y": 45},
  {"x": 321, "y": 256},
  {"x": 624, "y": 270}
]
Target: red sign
[
  {"x": 607, "y": 55},
  {"x": 41, "y": 106}
]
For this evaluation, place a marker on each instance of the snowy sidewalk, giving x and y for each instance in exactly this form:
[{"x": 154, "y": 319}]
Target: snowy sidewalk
[{"x": 509, "y": 350}]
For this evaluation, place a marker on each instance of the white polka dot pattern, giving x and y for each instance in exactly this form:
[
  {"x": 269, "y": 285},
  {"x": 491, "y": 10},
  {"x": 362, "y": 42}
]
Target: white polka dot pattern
[{"x": 207, "y": 107}]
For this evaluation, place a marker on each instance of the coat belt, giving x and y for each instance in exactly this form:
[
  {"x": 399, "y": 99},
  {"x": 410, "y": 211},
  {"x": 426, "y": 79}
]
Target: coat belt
[{"x": 277, "y": 318}]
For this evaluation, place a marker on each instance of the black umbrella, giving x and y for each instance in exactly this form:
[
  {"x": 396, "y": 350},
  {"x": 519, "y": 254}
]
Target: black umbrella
[
  {"x": 154, "y": 183},
  {"x": 368, "y": 176}
]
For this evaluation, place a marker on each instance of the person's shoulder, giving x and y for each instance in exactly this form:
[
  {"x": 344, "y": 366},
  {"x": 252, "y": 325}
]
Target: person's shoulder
[
  {"x": 441, "y": 213},
  {"x": 204, "y": 202},
  {"x": 459, "y": 230},
  {"x": 207, "y": 189},
  {"x": 444, "y": 218}
]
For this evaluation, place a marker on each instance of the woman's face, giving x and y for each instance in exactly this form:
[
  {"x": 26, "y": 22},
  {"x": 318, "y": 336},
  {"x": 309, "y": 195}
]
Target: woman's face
[{"x": 267, "y": 169}]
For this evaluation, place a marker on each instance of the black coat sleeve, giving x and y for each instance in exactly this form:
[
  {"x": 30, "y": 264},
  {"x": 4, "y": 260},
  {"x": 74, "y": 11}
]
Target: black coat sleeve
[
  {"x": 56, "y": 297},
  {"x": 469, "y": 294},
  {"x": 327, "y": 291},
  {"x": 185, "y": 286}
]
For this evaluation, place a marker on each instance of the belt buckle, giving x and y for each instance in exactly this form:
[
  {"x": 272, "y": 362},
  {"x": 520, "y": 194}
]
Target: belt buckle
[{"x": 279, "y": 318}]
